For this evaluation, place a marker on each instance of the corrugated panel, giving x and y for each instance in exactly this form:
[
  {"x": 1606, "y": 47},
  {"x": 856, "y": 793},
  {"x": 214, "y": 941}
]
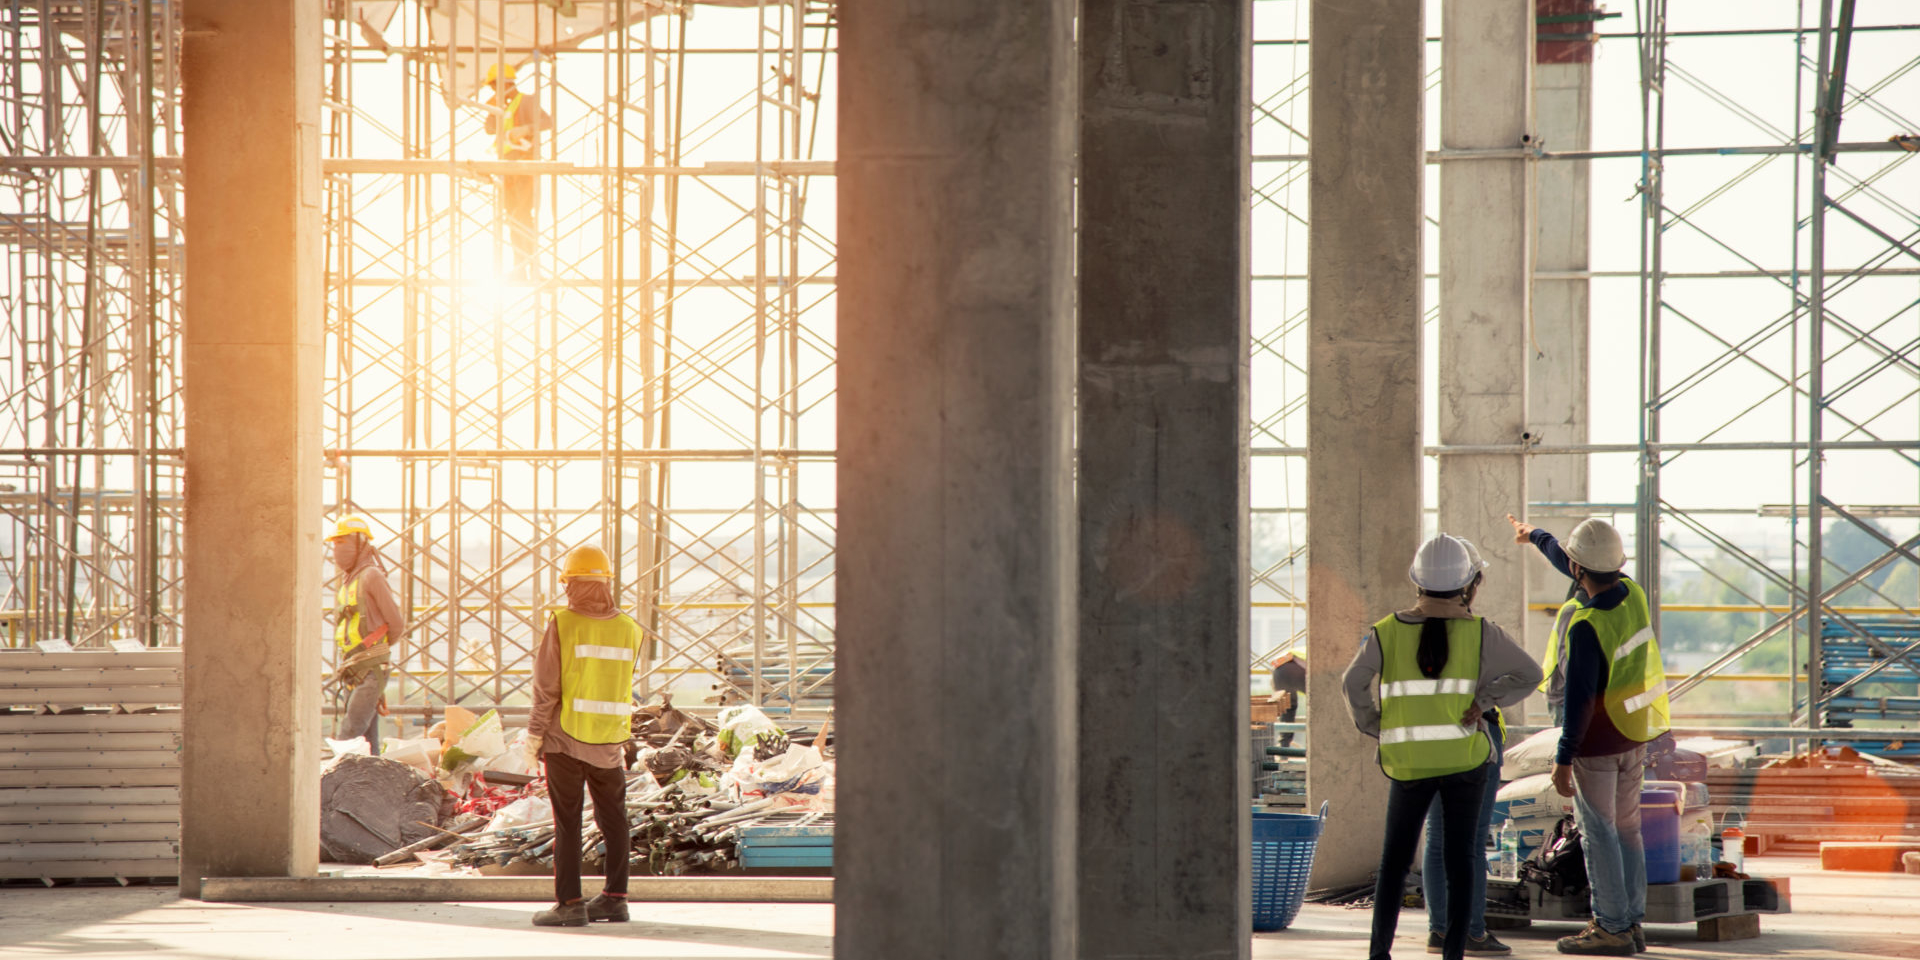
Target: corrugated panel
[{"x": 89, "y": 792}]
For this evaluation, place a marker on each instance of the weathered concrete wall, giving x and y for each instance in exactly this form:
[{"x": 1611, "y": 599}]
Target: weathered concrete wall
[
  {"x": 1163, "y": 479},
  {"x": 1557, "y": 378},
  {"x": 956, "y": 612},
  {"x": 1486, "y": 236},
  {"x": 1363, "y": 384},
  {"x": 250, "y": 762}
]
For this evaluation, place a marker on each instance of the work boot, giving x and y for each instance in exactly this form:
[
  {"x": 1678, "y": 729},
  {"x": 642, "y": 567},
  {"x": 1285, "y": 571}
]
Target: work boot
[
  {"x": 562, "y": 915},
  {"x": 1487, "y": 946},
  {"x": 1596, "y": 941},
  {"x": 610, "y": 909},
  {"x": 1639, "y": 939},
  {"x": 1436, "y": 941}
]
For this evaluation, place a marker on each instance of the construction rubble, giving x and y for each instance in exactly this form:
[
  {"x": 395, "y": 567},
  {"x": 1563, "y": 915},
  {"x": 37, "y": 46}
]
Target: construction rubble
[{"x": 464, "y": 798}]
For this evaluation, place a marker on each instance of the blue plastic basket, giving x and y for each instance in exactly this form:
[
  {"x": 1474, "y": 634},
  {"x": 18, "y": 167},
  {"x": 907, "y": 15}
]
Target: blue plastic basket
[{"x": 1283, "y": 846}]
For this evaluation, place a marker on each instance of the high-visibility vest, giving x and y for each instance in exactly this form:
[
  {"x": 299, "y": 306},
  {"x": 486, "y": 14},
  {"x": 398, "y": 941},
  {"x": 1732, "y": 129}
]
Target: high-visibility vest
[
  {"x": 503, "y": 142},
  {"x": 349, "y": 621},
  {"x": 1636, "y": 694},
  {"x": 1562, "y": 622},
  {"x": 596, "y": 676},
  {"x": 1421, "y": 735}
]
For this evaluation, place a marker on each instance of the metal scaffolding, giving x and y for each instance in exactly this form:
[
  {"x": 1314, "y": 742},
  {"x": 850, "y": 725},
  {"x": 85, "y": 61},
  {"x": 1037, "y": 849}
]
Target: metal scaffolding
[
  {"x": 660, "y": 386},
  {"x": 1745, "y": 411},
  {"x": 662, "y": 383},
  {"x": 90, "y": 467}
]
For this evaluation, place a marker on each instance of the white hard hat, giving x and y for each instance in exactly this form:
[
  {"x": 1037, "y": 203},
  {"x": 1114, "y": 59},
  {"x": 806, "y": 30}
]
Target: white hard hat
[
  {"x": 1595, "y": 545},
  {"x": 1443, "y": 564},
  {"x": 1474, "y": 553}
]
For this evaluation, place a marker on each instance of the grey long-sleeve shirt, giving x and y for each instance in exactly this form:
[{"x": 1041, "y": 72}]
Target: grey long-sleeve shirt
[{"x": 1507, "y": 674}]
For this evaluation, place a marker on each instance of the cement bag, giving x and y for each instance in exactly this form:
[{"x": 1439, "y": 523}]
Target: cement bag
[
  {"x": 514, "y": 760},
  {"x": 744, "y": 729},
  {"x": 1530, "y": 756},
  {"x": 422, "y": 753},
  {"x": 371, "y": 806},
  {"x": 484, "y": 738},
  {"x": 1533, "y": 798},
  {"x": 354, "y": 745}
]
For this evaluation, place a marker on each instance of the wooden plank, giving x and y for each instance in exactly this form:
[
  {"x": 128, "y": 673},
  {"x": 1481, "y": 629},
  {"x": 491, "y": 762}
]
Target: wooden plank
[
  {"x": 35, "y": 852},
  {"x": 100, "y": 722},
  {"x": 89, "y": 832},
  {"x": 99, "y": 742},
  {"x": 88, "y": 677},
  {"x": 61, "y": 696},
  {"x": 159, "y": 777},
  {"x": 83, "y": 813},
  {"x": 35, "y": 660},
  {"x": 1741, "y": 926},
  {"x": 89, "y": 759},
  {"x": 83, "y": 796},
  {"x": 86, "y": 869}
]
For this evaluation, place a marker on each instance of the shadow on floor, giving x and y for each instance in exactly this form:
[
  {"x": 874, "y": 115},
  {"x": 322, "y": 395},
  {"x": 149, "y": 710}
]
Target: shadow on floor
[{"x": 640, "y": 928}]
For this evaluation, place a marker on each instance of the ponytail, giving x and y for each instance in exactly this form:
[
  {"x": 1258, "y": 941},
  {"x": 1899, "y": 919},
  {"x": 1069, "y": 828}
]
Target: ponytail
[{"x": 1432, "y": 655}]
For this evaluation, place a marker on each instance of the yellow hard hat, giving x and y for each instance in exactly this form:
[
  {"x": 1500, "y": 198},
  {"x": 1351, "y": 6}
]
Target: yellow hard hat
[
  {"x": 585, "y": 562},
  {"x": 497, "y": 70},
  {"x": 348, "y": 526}
]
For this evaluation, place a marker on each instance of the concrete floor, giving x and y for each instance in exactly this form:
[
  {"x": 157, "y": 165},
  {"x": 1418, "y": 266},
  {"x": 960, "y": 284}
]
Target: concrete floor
[{"x": 1838, "y": 917}]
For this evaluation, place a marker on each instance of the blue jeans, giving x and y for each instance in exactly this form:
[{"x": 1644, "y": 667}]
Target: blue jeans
[
  {"x": 1433, "y": 870},
  {"x": 1606, "y": 802}
]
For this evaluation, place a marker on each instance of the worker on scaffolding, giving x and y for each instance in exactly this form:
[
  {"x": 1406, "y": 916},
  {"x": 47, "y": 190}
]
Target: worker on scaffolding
[
  {"x": 1615, "y": 702},
  {"x": 366, "y": 624},
  {"x": 516, "y": 121},
  {"x": 581, "y": 721}
]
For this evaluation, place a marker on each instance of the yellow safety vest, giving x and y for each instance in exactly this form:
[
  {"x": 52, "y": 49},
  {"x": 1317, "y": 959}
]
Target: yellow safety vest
[
  {"x": 503, "y": 143},
  {"x": 349, "y": 634},
  {"x": 1421, "y": 735},
  {"x": 1636, "y": 694},
  {"x": 1562, "y": 622},
  {"x": 596, "y": 676}
]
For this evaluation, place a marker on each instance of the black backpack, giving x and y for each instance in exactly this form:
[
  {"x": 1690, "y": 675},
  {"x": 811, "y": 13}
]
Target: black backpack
[{"x": 1559, "y": 866}]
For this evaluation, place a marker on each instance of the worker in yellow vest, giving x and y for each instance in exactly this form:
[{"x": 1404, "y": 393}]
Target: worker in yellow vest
[
  {"x": 516, "y": 122},
  {"x": 1423, "y": 683},
  {"x": 366, "y": 625},
  {"x": 581, "y": 721},
  {"x": 1616, "y": 701}
]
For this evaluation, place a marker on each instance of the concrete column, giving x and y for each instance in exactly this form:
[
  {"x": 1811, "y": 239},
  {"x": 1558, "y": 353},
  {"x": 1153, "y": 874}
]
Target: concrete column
[
  {"x": 250, "y": 796},
  {"x": 1163, "y": 479},
  {"x": 1557, "y": 375},
  {"x": 1368, "y": 66},
  {"x": 1486, "y": 236},
  {"x": 956, "y": 613}
]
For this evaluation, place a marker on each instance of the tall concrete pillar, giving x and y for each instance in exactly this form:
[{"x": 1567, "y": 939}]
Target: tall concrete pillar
[
  {"x": 1486, "y": 236},
  {"x": 1368, "y": 67},
  {"x": 250, "y": 796},
  {"x": 1163, "y": 479},
  {"x": 956, "y": 612},
  {"x": 1557, "y": 374}
]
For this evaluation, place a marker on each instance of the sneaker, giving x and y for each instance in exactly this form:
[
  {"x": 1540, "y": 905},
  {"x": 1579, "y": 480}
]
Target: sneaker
[
  {"x": 1436, "y": 941},
  {"x": 611, "y": 909},
  {"x": 1596, "y": 941},
  {"x": 1639, "y": 939},
  {"x": 1487, "y": 946},
  {"x": 562, "y": 915}
]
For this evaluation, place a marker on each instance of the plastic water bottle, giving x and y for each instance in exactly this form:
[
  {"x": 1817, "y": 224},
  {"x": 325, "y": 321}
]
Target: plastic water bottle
[
  {"x": 1733, "y": 848},
  {"x": 1510, "y": 850}
]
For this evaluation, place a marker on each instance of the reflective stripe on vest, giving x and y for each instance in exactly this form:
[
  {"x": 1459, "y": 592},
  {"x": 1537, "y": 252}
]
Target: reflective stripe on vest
[
  {"x": 596, "y": 676},
  {"x": 1421, "y": 735},
  {"x": 1636, "y": 694}
]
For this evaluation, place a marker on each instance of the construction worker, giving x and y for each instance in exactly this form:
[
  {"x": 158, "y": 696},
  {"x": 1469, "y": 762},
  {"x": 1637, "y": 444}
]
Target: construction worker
[
  {"x": 1423, "y": 683},
  {"x": 516, "y": 121},
  {"x": 581, "y": 721},
  {"x": 1480, "y": 941},
  {"x": 1615, "y": 702},
  {"x": 366, "y": 625}
]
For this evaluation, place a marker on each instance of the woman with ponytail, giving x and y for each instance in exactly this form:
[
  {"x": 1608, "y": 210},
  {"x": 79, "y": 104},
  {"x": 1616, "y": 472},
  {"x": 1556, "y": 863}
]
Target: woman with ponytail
[{"x": 1425, "y": 684}]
